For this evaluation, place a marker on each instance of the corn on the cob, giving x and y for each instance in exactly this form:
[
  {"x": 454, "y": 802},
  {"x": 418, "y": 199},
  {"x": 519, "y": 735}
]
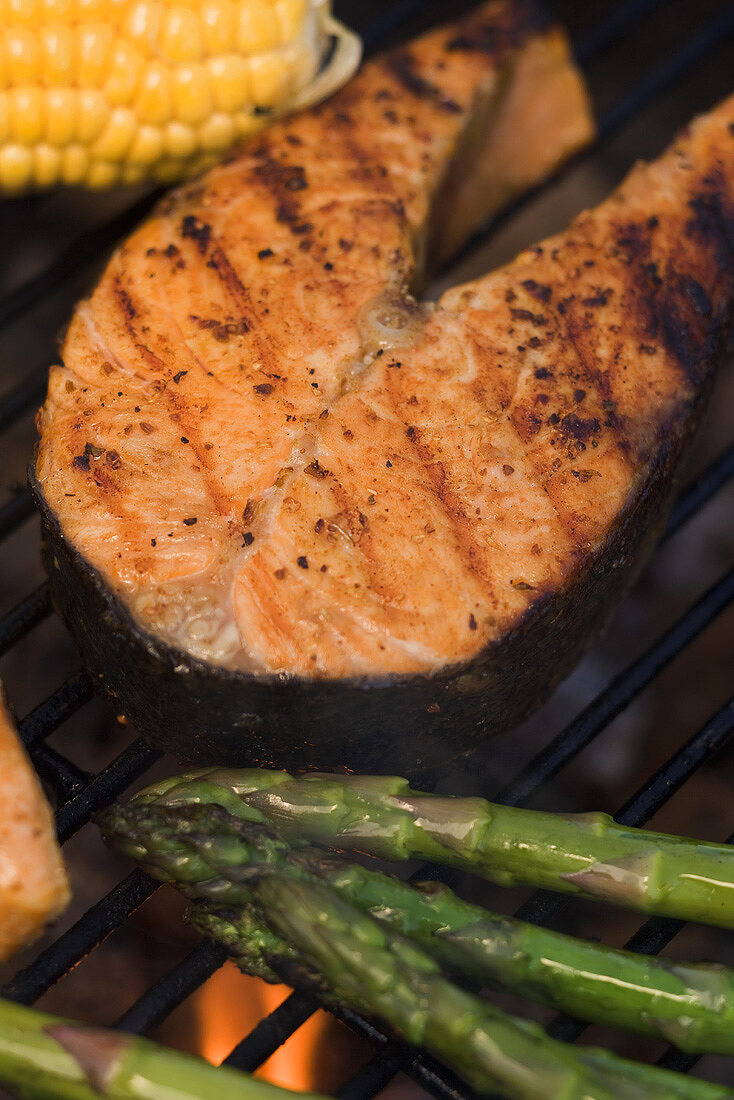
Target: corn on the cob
[{"x": 100, "y": 92}]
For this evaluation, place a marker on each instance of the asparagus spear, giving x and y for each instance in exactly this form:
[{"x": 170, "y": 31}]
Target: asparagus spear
[
  {"x": 46, "y": 1058},
  {"x": 583, "y": 854},
  {"x": 214, "y": 856},
  {"x": 370, "y": 968}
]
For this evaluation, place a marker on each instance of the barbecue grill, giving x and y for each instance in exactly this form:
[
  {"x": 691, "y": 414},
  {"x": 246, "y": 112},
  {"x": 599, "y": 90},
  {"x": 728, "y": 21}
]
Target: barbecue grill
[{"x": 650, "y": 66}]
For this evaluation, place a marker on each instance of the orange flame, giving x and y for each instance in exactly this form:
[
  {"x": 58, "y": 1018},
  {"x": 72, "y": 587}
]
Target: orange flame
[{"x": 228, "y": 1007}]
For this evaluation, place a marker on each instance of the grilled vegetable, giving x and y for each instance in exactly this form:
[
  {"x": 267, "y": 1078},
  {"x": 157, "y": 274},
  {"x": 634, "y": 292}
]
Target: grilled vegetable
[
  {"x": 210, "y": 359},
  {"x": 215, "y": 857},
  {"x": 379, "y": 973},
  {"x": 588, "y": 855},
  {"x": 116, "y": 91},
  {"x": 46, "y": 1058},
  {"x": 33, "y": 885},
  {"x": 351, "y": 959}
]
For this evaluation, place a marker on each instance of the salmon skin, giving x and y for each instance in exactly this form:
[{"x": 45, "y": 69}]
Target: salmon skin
[{"x": 295, "y": 516}]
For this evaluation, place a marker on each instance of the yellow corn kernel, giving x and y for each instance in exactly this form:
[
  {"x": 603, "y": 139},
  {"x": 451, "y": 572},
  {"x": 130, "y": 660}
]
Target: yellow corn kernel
[
  {"x": 258, "y": 28},
  {"x": 62, "y": 10},
  {"x": 96, "y": 42},
  {"x": 217, "y": 132},
  {"x": 100, "y": 9},
  {"x": 16, "y": 166},
  {"x": 117, "y": 135},
  {"x": 147, "y": 146},
  {"x": 26, "y": 114},
  {"x": 291, "y": 16},
  {"x": 93, "y": 112},
  {"x": 101, "y": 174},
  {"x": 58, "y": 55},
  {"x": 23, "y": 55},
  {"x": 61, "y": 115},
  {"x": 169, "y": 169},
  {"x": 74, "y": 163},
  {"x": 4, "y": 117},
  {"x": 218, "y": 22},
  {"x": 270, "y": 79},
  {"x": 105, "y": 91},
  {"x": 133, "y": 173},
  {"x": 179, "y": 140},
  {"x": 245, "y": 124},
  {"x": 126, "y": 71},
  {"x": 200, "y": 163},
  {"x": 154, "y": 102},
  {"x": 46, "y": 165},
  {"x": 230, "y": 81},
  {"x": 143, "y": 23},
  {"x": 181, "y": 39},
  {"x": 191, "y": 94},
  {"x": 23, "y": 12}
]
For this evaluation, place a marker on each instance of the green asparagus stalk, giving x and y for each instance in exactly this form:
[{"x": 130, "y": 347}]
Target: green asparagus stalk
[
  {"x": 46, "y": 1058},
  {"x": 584, "y": 854},
  {"x": 215, "y": 857},
  {"x": 364, "y": 964}
]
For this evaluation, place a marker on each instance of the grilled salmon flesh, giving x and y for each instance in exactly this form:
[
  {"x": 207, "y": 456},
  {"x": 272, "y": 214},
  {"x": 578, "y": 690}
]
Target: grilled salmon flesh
[
  {"x": 33, "y": 884},
  {"x": 294, "y": 482},
  {"x": 199, "y": 378}
]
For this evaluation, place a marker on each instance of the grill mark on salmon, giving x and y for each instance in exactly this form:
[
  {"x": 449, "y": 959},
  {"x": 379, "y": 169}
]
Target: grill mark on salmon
[{"x": 448, "y": 499}]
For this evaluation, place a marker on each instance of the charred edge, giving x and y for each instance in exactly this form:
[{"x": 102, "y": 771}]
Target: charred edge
[
  {"x": 580, "y": 429},
  {"x": 197, "y": 231},
  {"x": 712, "y": 223},
  {"x": 496, "y": 34},
  {"x": 283, "y": 181},
  {"x": 679, "y": 311},
  {"x": 402, "y": 65}
]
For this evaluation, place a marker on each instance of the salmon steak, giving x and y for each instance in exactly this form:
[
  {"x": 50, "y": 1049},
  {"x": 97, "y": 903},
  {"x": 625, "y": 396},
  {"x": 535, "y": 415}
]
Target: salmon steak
[{"x": 296, "y": 516}]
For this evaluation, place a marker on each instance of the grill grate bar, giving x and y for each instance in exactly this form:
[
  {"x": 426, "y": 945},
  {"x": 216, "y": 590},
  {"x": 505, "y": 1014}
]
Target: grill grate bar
[
  {"x": 15, "y": 512},
  {"x": 65, "y": 778},
  {"x": 670, "y": 776},
  {"x": 667, "y": 73},
  {"x": 377, "y": 1073},
  {"x": 156, "y": 1003},
  {"x": 594, "y": 719},
  {"x": 607, "y": 33},
  {"x": 86, "y": 249},
  {"x": 695, "y": 496},
  {"x": 88, "y": 932},
  {"x": 49, "y": 715},
  {"x": 272, "y": 1032},
  {"x": 104, "y": 788},
  {"x": 423, "y": 1069},
  {"x": 23, "y": 618}
]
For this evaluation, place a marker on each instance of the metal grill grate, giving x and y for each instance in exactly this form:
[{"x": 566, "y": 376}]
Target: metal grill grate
[{"x": 79, "y": 793}]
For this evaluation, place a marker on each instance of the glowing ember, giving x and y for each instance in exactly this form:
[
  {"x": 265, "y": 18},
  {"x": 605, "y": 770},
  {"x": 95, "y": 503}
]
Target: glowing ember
[{"x": 230, "y": 1004}]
